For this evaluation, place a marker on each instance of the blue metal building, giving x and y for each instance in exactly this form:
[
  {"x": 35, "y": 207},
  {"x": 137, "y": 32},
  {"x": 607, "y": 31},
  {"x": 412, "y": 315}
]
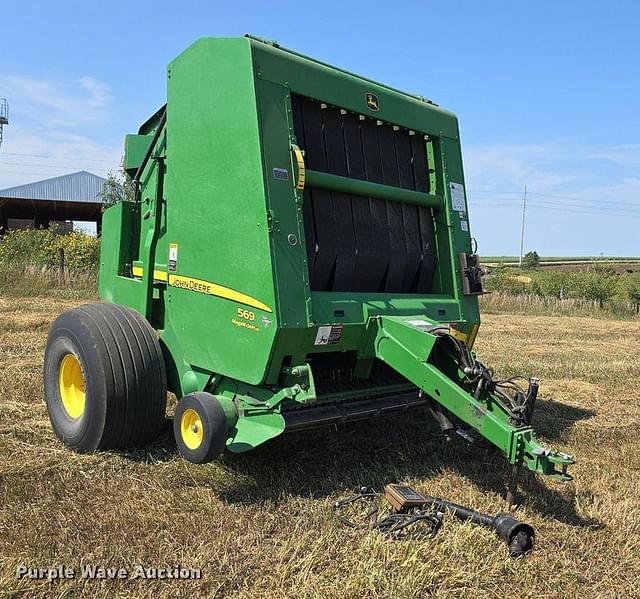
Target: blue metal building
[{"x": 73, "y": 197}]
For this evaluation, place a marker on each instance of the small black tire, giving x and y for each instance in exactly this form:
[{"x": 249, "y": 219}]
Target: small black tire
[
  {"x": 104, "y": 378},
  {"x": 200, "y": 427}
]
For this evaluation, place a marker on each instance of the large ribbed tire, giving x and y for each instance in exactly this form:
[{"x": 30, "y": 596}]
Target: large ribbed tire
[{"x": 104, "y": 378}]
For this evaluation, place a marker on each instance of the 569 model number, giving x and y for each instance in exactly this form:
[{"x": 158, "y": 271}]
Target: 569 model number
[{"x": 246, "y": 314}]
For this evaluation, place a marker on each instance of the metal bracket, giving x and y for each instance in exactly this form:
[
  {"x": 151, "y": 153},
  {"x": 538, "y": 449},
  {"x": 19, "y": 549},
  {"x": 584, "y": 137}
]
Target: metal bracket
[{"x": 273, "y": 224}]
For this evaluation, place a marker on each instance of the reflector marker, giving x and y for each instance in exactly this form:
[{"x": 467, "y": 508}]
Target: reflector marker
[{"x": 297, "y": 152}]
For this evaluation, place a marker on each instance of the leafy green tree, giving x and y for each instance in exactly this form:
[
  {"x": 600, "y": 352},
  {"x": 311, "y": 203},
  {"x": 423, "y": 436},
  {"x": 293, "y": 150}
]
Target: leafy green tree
[
  {"x": 628, "y": 289},
  {"x": 553, "y": 283},
  {"x": 117, "y": 188},
  {"x": 505, "y": 280},
  {"x": 531, "y": 260},
  {"x": 593, "y": 286}
]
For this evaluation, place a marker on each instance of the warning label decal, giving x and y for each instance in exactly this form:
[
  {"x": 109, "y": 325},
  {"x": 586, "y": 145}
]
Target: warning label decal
[
  {"x": 457, "y": 197},
  {"x": 328, "y": 334},
  {"x": 423, "y": 325},
  {"x": 173, "y": 256}
]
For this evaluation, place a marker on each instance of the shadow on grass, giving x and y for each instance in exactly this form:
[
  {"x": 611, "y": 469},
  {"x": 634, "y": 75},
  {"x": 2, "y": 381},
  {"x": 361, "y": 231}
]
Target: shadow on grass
[
  {"x": 338, "y": 460},
  {"x": 553, "y": 418}
]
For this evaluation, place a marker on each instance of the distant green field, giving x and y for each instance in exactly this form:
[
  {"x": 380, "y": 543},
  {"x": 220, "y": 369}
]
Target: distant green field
[{"x": 501, "y": 259}]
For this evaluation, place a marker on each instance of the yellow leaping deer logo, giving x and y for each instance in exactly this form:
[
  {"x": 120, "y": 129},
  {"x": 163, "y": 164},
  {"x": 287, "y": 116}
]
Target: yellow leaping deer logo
[{"x": 372, "y": 101}]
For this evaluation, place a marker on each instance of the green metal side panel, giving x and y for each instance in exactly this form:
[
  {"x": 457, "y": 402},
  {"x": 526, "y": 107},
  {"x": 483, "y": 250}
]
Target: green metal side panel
[
  {"x": 322, "y": 82},
  {"x": 216, "y": 213},
  {"x": 449, "y": 169},
  {"x": 120, "y": 228},
  {"x": 285, "y": 207},
  {"x": 135, "y": 147}
]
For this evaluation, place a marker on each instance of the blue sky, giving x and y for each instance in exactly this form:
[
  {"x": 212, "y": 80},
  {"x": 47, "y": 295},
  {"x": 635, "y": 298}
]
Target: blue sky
[{"x": 547, "y": 93}]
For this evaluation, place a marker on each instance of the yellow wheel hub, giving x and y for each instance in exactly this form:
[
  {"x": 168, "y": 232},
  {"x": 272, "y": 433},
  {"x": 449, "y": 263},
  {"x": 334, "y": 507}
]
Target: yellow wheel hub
[
  {"x": 191, "y": 428},
  {"x": 71, "y": 382}
]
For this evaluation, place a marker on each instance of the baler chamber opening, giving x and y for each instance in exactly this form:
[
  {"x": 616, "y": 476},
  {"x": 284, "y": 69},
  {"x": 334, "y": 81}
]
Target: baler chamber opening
[{"x": 358, "y": 243}]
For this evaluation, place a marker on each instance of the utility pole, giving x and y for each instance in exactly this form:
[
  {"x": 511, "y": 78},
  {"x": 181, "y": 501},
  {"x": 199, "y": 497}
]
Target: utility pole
[
  {"x": 524, "y": 209},
  {"x": 4, "y": 115}
]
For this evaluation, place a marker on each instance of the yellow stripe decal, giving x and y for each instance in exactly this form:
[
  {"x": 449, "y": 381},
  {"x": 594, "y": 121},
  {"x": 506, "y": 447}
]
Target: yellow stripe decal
[
  {"x": 218, "y": 290},
  {"x": 158, "y": 275},
  {"x": 205, "y": 287}
]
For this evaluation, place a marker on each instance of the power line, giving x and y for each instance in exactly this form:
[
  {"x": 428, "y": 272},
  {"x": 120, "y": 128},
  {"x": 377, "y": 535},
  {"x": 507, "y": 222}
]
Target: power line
[
  {"x": 56, "y": 157},
  {"x": 23, "y": 173},
  {"x": 35, "y": 173},
  {"x": 48, "y": 166},
  {"x": 531, "y": 193},
  {"x": 549, "y": 195},
  {"x": 585, "y": 203},
  {"x": 537, "y": 206},
  {"x": 597, "y": 209}
]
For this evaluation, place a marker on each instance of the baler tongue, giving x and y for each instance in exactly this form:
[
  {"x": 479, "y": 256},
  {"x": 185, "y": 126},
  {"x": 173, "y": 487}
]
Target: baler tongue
[{"x": 444, "y": 369}]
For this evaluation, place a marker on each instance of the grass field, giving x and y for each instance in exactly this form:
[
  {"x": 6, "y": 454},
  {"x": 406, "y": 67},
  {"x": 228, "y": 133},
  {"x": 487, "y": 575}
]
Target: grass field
[
  {"x": 563, "y": 259},
  {"x": 260, "y": 525}
]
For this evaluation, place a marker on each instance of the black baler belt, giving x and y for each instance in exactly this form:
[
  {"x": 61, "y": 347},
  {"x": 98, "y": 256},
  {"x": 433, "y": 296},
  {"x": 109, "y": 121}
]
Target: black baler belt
[
  {"x": 343, "y": 218},
  {"x": 409, "y": 212},
  {"x": 357, "y": 243},
  {"x": 397, "y": 244},
  {"x": 366, "y": 255},
  {"x": 378, "y": 208},
  {"x": 325, "y": 258}
]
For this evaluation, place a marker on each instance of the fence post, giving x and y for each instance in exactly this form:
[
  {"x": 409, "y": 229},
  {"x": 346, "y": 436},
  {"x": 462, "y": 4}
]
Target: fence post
[{"x": 61, "y": 264}]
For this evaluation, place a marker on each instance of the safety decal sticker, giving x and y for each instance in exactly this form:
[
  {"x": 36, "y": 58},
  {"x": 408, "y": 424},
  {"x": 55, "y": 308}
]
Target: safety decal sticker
[
  {"x": 173, "y": 257},
  {"x": 423, "y": 325},
  {"x": 457, "y": 197},
  {"x": 329, "y": 334},
  {"x": 464, "y": 225}
]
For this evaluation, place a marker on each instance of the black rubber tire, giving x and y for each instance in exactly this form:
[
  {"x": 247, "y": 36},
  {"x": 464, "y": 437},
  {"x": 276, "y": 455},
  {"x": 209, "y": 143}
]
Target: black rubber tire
[
  {"x": 124, "y": 378},
  {"x": 214, "y": 427}
]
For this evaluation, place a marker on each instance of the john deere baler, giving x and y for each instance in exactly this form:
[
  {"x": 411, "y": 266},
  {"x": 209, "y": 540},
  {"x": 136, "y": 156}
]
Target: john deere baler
[{"x": 297, "y": 253}]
